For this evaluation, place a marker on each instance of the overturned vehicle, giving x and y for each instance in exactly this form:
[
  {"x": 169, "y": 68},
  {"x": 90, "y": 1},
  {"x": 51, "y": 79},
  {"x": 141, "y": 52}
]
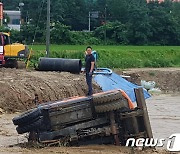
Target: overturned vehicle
[{"x": 104, "y": 118}]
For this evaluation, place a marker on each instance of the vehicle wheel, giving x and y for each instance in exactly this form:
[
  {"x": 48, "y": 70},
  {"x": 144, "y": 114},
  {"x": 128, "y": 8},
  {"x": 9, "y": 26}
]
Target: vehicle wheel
[
  {"x": 112, "y": 106},
  {"x": 31, "y": 127},
  {"x": 107, "y": 97},
  {"x": 21, "y": 65},
  {"x": 26, "y": 117},
  {"x": 11, "y": 63}
]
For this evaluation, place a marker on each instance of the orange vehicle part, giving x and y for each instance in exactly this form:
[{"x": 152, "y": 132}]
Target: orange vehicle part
[{"x": 131, "y": 105}]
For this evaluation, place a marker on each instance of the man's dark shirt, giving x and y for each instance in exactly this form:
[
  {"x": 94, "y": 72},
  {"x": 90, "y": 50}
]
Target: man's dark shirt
[{"x": 89, "y": 58}]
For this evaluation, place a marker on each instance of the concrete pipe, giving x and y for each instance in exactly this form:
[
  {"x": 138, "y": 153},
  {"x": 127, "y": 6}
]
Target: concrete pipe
[{"x": 60, "y": 64}]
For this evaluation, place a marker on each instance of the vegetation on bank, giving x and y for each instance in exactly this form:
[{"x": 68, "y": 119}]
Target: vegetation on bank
[{"x": 116, "y": 56}]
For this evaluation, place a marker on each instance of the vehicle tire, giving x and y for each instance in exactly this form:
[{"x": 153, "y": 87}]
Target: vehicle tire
[
  {"x": 27, "y": 116},
  {"x": 31, "y": 127},
  {"x": 11, "y": 63},
  {"x": 107, "y": 97},
  {"x": 112, "y": 106}
]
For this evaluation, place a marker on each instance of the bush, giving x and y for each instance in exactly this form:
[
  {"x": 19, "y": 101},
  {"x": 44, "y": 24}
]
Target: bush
[
  {"x": 31, "y": 32},
  {"x": 61, "y": 34},
  {"x": 83, "y": 38},
  {"x": 116, "y": 33}
]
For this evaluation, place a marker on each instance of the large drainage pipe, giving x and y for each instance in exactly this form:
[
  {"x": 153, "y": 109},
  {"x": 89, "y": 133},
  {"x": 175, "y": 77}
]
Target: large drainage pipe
[{"x": 60, "y": 64}]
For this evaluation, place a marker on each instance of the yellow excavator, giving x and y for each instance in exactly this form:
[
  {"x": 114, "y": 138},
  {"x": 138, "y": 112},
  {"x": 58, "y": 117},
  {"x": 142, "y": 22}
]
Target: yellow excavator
[{"x": 11, "y": 55}]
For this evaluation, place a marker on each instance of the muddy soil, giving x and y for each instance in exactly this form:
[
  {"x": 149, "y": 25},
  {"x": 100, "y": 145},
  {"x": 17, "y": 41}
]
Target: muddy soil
[
  {"x": 18, "y": 87},
  {"x": 167, "y": 79},
  {"x": 163, "y": 122}
]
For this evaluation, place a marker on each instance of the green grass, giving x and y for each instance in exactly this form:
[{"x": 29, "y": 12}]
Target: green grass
[{"x": 117, "y": 56}]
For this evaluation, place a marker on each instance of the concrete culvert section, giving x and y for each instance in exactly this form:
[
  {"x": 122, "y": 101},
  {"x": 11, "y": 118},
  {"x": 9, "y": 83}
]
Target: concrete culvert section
[{"x": 60, "y": 64}]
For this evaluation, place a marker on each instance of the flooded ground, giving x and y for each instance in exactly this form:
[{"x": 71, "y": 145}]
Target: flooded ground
[
  {"x": 8, "y": 134},
  {"x": 164, "y": 116}
]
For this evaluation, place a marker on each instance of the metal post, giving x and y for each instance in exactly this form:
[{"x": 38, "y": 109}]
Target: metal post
[
  {"x": 48, "y": 29},
  {"x": 1, "y": 14},
  {"x": 89, "y": 21},
  {"x": 105, "y": 25},
  {"x": 20, "y": 9},
  {"x": 27, "y": 15},
  {"x": 114, "y": 129},
  {"x": 1, "y": 22},
  {"x": 142, "y": 105}
]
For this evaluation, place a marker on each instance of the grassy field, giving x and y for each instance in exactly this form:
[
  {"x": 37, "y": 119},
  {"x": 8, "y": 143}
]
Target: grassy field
[{"x": 117, "y": 56}]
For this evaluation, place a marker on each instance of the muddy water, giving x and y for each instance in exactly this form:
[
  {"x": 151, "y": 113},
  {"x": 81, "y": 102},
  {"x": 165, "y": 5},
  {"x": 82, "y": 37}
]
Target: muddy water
[
  {"x": 164, "y": 113},
  {"x": 8, "y": 134},
  {"x": 164, "y": 116}
]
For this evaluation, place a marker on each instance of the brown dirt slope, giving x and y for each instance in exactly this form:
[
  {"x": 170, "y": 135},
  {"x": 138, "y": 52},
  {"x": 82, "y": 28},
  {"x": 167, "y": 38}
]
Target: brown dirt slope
[
  {"x": 18, "y": 87},
  {"x": 167, "y": 79}
]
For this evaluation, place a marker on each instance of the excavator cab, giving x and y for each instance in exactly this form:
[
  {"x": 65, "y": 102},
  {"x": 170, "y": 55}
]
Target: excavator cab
[{"x": 11, "y": 53}]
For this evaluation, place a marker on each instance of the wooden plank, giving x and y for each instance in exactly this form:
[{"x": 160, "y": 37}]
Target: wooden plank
[{"x": 142, "y": 105}]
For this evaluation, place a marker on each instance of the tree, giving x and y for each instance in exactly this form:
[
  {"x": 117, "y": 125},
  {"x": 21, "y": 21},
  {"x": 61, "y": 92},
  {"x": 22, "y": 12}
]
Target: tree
[
  {"x": 10, "y": 5},
  {"x": 118, "y": 10},
  {"x": 76, "y": 14},
  {"x": 129, "y": 21},
  {"x": 165, "y": 29},
  {"x": 138, "y": 24}
]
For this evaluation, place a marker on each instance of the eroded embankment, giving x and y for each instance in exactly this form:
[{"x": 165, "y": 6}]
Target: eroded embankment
[{"x": 18, "y": 87}]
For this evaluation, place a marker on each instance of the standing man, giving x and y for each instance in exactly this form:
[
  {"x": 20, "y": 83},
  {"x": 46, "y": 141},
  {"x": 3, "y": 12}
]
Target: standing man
[{"x": 89, "y": 67}]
